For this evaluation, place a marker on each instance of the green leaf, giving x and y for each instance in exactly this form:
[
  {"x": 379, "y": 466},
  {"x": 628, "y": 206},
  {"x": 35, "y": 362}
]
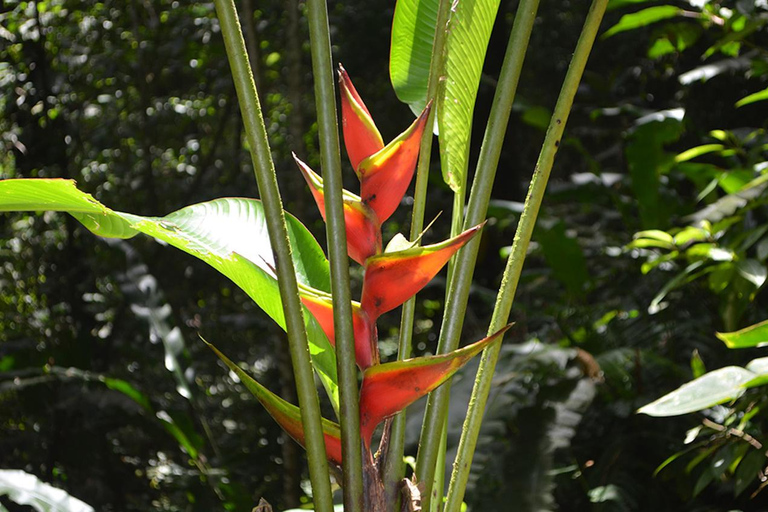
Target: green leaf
[
  {"x": 643, "y": 18},
  {"x": 26, "y": 489},
  {"x": 711, "y": 389},
  {"x": 753, "y": 336},
  {"x": 753, "y": 98},
  {"x": 413, "y": 35},
  {"x": 753, "y": 271},
  {"x": 469, "y": 30},
  {"x": 229, "y": 234},
  {"x": 692, "y": 153},
  {"x": 748, "y": 470},
  {"x": 564, "y": 255}
]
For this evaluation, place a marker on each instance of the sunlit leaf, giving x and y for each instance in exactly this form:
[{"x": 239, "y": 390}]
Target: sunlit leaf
[
  {"x": 753, "y": 336},
  {"x": 642, "y": 18},
  {"x": 753, "y": 271},
  {"x": 692, "y": 153},
  {"x": 26, "y": 489},
  {"x": 753, "y": 98},
  {"x": 413, "y": 35},
  {"x": 711, "y": 389},
  {"x": 229, "y": 234},
  {"x": 469, "y": 30}
]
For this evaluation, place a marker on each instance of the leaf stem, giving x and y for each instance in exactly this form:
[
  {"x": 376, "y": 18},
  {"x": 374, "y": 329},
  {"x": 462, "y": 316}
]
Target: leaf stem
[
  {"x": 511, "y": 278},
  {"x": 476, "y": 212},
  {"x": 266, "y": 179},
  {"x": 349, "y": 416},
  {"x": 394, "y": 469}
]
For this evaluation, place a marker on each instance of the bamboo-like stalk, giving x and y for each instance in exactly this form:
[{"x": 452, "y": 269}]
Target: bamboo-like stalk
[
  {"x": 264, "y": 170},
  {"x": 481, "y": 389},
  {"x": 325, "y": 101},
  {"x": 394, "y": 466},
  {"x": 477, "y": 207}
]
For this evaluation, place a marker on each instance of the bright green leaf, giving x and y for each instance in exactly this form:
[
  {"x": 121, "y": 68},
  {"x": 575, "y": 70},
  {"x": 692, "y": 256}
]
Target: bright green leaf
[
  {"x": 413, "y": 35},
  {"x": 753, "y": 98},
  {"x": 698, "y": 151},
  {"x": 711, "y": 389},
  {"x": 469, "y": 30},
  {"x": 643, "y": 18},
  {"x": 753, "y": 336}
]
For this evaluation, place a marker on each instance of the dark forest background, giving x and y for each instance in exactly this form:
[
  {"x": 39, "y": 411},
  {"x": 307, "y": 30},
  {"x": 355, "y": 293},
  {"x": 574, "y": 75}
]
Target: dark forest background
[{"x": 107, "y": 391}]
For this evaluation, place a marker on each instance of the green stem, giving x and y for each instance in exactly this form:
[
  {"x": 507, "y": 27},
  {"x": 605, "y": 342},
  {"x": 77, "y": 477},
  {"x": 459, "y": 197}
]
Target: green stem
[
  {"x": 476, "y": 212},
  {"x": 394, "y": 469},
  {"x": 477, "y": 402},
  {"x": 266, "y": 179},
  {"x": 325, "y": 100}
]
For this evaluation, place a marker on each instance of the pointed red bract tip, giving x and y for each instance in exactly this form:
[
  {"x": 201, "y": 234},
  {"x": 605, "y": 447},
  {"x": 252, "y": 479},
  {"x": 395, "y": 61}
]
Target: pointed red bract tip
[
  {"x": 386, "y": 175},
  {"x": 361, "y": 137},
  {"x": 366, "y": 338},
  {"x": 392, "y": 278},
  {"x": 391, "y": 387},
  {"x": 362, "y": 225}
]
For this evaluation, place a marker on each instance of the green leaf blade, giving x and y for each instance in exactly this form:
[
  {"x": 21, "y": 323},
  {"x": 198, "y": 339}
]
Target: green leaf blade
[
  {"x": 642, "y": 18},
  {"x": 753, "y": 336}
]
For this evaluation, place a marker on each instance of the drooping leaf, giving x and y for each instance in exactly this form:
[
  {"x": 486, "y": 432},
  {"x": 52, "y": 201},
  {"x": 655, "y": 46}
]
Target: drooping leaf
[
  {"x": 287, "y": 415},
  {"x": 753, "y": 336},
  {"x": 389, "y": 388},
  {"x": 413, "y": 35},
  {"x": 385, "y": 175},
  {"x": 710, "y": 389},
  {"x": 229, "y": 234},
  {"x": 26, "y": 489},
  {"x": 363, "y": 226},
  {"x": 361, "y": 137},
  {"x": 366, "y": 340},
  {"x": 642, "y": 18},
  {"x": 469, "y": 30},
  {"x": 392, "y": 278}
]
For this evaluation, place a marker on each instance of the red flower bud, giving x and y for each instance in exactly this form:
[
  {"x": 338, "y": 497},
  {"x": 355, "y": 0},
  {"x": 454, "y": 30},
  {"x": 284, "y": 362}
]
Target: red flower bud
[
  {"x": 386, "y": 175},
  {"x": 361, "y": 137},
  {"x": 363, "y": 227},
  {"x": 392, "y": 278},
  {"x": 391, "y": 387},
  {"x": 320, "y": 304}
]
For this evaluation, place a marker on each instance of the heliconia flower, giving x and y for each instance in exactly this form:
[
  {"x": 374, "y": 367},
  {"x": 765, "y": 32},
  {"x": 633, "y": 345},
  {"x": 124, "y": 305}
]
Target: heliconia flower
[
  {"x": 287, "y": 415},
  {"x": 392, "y": 278},
  {"x": 361, "y": 137},
  {"x": 363, "y": 227},
  {"x": 320, "y": 304},
  {"x": 391, "y": 387},
  {"x": 386, "y": 174}
]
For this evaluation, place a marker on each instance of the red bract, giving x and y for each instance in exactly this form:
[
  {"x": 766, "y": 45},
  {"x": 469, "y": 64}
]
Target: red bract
[
  {"x": 366, "y": 340},
  {"x": 392, "y": 278},
  {"x": 386, "y": 174},
  {"x": 391, "y": 387},
  {"x": 363, "y": 228},
  {"x": 361, "y": 137},
  {"x": 287, "y": 415}
]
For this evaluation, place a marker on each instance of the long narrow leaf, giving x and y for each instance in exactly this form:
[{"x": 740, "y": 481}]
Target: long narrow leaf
[{"x": 287, "y": 415}]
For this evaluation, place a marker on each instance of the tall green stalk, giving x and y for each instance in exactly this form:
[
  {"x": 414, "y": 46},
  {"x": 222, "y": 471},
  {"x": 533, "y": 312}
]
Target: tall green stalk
[
  {"x": 325, "y": 100},
  {"x": 471, "y": 428},
  {"x": 394, "y": 468},
  {"x": 429, "y": 446},
  {"x": 266, "y": 179}
]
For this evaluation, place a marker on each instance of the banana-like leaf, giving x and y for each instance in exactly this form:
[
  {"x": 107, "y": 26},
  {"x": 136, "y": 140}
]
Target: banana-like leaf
[
  {"x": 413, "y": 35},
  {"x": 26, "y": 489},
  {"x": 385, "y": 175},
  {"x": 363, "y": 226},
  {"x": 361, "y": 137},
  {"x": 394, "y": 277},
  {"x": 320, "y": 304},
  {"x": 230, "y": 234},
  {"x": 469, "y": 30},
  {"x": 391, "y": 387},
  {"x": 287, "y": 415}
]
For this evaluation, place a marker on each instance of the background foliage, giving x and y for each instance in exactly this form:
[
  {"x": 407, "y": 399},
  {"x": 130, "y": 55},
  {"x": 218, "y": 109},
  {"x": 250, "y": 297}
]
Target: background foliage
[{"x": 107, "y": 392}]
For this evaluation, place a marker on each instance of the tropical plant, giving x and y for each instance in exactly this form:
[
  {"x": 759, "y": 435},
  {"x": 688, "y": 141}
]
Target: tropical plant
[{"x": 277, "y": 262}]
